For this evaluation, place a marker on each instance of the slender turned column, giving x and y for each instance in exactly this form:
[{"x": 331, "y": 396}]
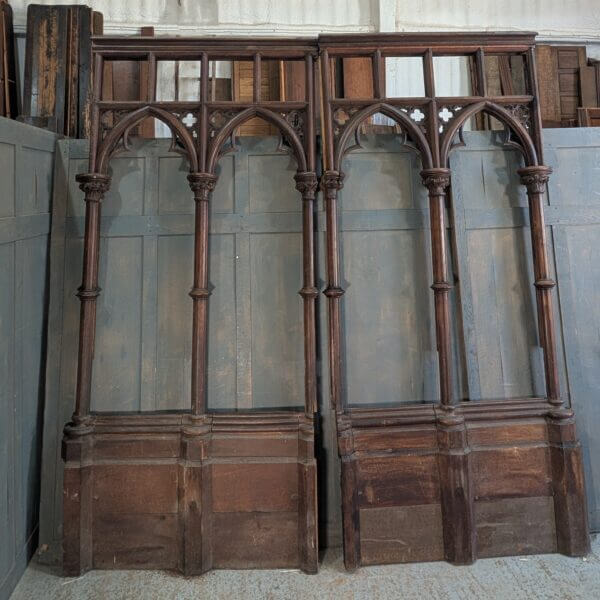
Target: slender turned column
[
  {"x": 76, "y": 450},
  {"x": 535, "y": 179},
  {"x": 436, "y": 181},
  {"x": 306, "y": 184},
  {"x": 331, "y": 182},
  {"x": 454, "y": 453},
  {"x": 202, "y": 184},
  {"x": 94, "y": 185},
  {"x": 570, "y": 508}
]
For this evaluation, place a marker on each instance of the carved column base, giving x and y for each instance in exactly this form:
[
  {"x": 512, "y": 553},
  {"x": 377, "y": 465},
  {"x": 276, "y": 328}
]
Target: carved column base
[
  {"x": 570, "y": 507},
  {"x": 77, "y": 505},
  {"x": 455, "y": 487},
  {"x": 195, "y": 498},
  {"x": 350, "y": 498}
]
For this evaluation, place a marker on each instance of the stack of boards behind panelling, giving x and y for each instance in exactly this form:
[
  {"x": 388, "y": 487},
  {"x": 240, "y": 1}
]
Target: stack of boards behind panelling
[
  {"x": 566, "y": 82},
  {"x": 58, "y": 70},
  {"x": 8, "y": 80},
  {"x": 127, "y": 80}
]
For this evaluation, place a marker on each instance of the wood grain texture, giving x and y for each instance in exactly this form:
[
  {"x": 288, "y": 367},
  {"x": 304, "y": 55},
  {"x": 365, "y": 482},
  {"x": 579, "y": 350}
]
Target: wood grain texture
[
  {"x": 255, "y": 540},
  {"x": 269, "y": 487},
  {"x": 515, "y": 526},
  {"x": 401, "y": 534}
]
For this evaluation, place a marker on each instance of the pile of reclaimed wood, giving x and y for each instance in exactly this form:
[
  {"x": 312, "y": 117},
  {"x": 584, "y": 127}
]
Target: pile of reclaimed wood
[
  {"x": 8, "y": 79},
  {"x": 57, "y": 85}
]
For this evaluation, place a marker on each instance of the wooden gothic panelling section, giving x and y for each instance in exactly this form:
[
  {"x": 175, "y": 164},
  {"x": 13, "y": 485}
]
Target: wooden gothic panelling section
[
  {"x": 493, "y": 466},
  {"x": 219, "y": 391}
]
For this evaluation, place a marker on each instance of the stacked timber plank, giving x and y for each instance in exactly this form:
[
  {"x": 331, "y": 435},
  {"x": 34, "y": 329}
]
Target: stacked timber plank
[
  {"x": 58, "y": 68},
  {"x": 8, "y": 80}
]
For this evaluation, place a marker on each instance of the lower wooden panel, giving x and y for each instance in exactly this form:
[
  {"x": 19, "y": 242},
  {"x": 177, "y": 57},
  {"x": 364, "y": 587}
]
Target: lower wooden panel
[
  {"x": 401, "y": 534},
  {"x": 135, "y": 541},
  {"x": 422, "y": 484},
  {"x": 255, "y": 540},
  {"x": 133, "y": 505},
  {"x": 515, "y": 526}
]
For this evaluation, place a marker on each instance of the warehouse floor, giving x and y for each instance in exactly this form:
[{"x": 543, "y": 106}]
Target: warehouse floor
[{"x": 545, "y": 577}]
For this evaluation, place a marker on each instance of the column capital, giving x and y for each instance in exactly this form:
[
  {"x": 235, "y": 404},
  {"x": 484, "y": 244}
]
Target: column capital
[
  {"x": 436, "y": 180},
  {"x": 306, "y": 184},
  {"x": 202, "y": 184},
  {"x": 93, "y": 185},
  {"x": 535, "y": 178},
  {"x": 332, "y": 181}
]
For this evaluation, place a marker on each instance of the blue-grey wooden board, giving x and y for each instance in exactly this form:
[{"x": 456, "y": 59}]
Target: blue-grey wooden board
[
  {"x": 255, "y": 339},
  {"x": 26, "y": 170}
]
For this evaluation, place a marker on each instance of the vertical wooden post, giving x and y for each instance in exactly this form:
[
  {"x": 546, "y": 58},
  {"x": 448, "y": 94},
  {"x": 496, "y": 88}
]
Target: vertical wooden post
[
  {"x": 565, "y": 450},
  {"x": 454, "y": 453},
  {"x": 350, "y": 500},
  {"x": 202, "y": 184},
  {"x": 436, "y": 181},
  {"x": 331, "y": 182},
  {"x": 306, "y": 184},
  {"x": 94, "y": 185},
  {"x": 535, "y": 178}
]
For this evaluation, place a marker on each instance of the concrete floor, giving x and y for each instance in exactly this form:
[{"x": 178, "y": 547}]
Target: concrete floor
[{"x": 546, "y": 577}]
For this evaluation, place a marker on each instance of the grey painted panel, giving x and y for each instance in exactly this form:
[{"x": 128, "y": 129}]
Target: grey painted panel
[
  {"x": 276, "y": 314},
  {"x": 175, "y": 196},
  {"x": 387, "y": 317},
  {"x": 277, "y": 171},
  {"x": 579, "y": 176},
  {"x": 389, "y": 343},
  {"x": 126, "y": 193},
  {"x": 117, "y": 357},
  {"x": 26, "y": 175},
  {"x": 379, "y": 181},
  {"x": 504, "y": 317},
  {"x": 578, "y": 257},
  {"x": 249, "y": 254},
  {"x": 7, "y": 168},
  {"x": 7, "y": 422},
  {"x": 37, "y": 185}
]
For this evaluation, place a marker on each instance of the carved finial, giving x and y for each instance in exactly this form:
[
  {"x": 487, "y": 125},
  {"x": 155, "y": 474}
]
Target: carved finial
[
  {"x": 94, "y": 185},
  {"x": 202, "y": 184},
  {"x": 436, "y": 180},
  {"x": 535, "y": 178},
  {"x": 306, "y": 184},
  {"x": 331, "y": 181}
]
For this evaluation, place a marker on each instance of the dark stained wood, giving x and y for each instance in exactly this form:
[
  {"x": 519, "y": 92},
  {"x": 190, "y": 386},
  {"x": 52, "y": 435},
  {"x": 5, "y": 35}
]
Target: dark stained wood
[
  {"x": 258, "y": 487},
  {"x": 259, "y": 540},
  {"x": 208, "y": 490},
  {"x": 254, "y": 504},
  {"x": 135, "y": 540},
  {"x": 515, "y": 526},
  {"x": 493, "y": 451},
  {"x": 588, "y": 117},
  {"x": 8, "y": 71},
  {"x": 57, "y": 86},
  {"x": 512, "y": 472},
  {"x": 398, "y": 481},
  {"x": 401, "y": 534}
]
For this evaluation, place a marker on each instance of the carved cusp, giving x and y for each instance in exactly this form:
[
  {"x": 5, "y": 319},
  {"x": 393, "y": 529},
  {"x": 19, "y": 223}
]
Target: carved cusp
[
  {"x": 202, "y": 184},
  {"x": 535, "y": 178}
]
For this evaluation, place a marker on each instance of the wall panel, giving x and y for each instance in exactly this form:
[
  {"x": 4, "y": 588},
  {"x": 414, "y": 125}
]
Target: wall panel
[{"x": 26, "y": 167}]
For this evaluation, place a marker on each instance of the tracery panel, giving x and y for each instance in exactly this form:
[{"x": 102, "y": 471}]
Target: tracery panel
[
  {"x": 154, "y": 489},
  {"x": 457, "y": 479}
]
